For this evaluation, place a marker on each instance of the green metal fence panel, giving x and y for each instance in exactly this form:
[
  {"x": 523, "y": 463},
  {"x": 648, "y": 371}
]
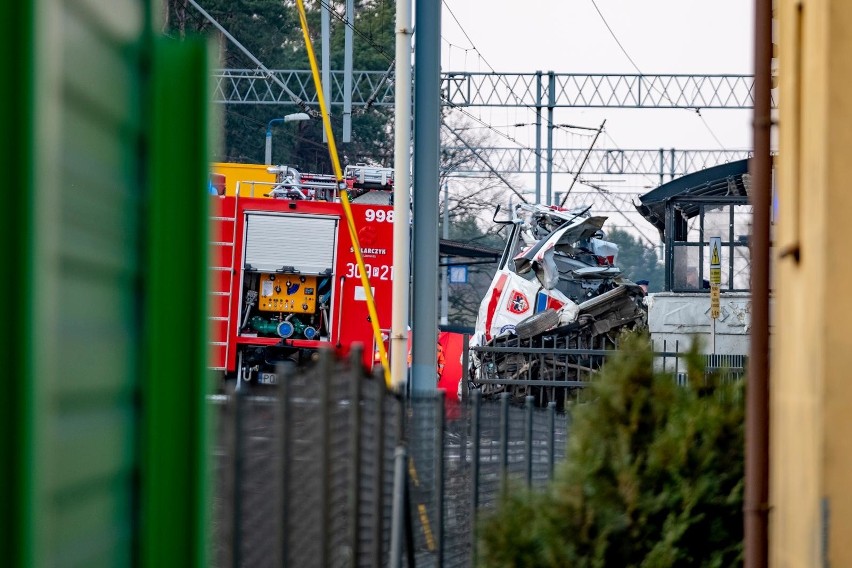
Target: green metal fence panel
[
  {"x": 85, "y": 284},
  {"x": 103, "y": 423},
  {"x": 174, "y": 429},
  {"x": 16, "y": 159}
]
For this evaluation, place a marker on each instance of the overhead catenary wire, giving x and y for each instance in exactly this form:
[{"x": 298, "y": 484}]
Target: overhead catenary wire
[
  {"x": 537, "y": 110},
  {"x": 486, "y": 125},
  {"x": 608, "y": 198},
  {"x": 710, "y": 130},
  {"x": 466, "y": 113},
  {"x": 380, "y": 50},
  {"x": 514, "y": 95},
  {"x": 583, "y": 163},
  {"x": 612, "y": 33},
  {"x": 375, "y": 94},
  {"x": 493, "y": 129},
  {"x": 615, "y": 143},
  {"x": 635, "y": 66},
  {"x": 484, "y": 161}
]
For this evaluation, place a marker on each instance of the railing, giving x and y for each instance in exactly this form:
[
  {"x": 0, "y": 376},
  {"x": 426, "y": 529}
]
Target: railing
[{"x": 557, "y": 367}]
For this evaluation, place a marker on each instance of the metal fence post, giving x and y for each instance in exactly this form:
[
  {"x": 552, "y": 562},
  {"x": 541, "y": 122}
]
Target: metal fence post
[
  {"x": 325, "y": 370},
  {"x": 464, "y": 401},
  {"x": 281, "y": 372},
  {"x": 236, "y": 555},
  {"x": 474, "y": 473},
  {"x": 404, "y": 408},
  {"x": 528, "y": 437},
  {"x": 378, "y": 479},
  {"x": 677, "y": 360},
  {"x": 551, "y": 438},
  {"x": 354, "y": 493},
  {"x": 225, "y": 425},
  {"x": 504, "y": 441},
  {"x": 440, "y": 428},
  {"x": 398, "y": 516},
  {"x": 465, "y": 378}
]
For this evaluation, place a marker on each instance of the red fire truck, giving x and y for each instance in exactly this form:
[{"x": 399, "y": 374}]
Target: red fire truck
[{"x": 284, "y": 279}]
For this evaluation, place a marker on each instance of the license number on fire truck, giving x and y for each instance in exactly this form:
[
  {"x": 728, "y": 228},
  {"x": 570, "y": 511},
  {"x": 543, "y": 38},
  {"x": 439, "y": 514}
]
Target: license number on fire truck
[
  {"x": 382, "y": 272},
  {"x": 267, "y": 378}
]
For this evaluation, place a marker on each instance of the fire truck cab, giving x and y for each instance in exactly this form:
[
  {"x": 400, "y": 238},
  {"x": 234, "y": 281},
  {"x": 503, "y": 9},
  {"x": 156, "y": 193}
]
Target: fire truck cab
[{"x": 283, "y": 275}]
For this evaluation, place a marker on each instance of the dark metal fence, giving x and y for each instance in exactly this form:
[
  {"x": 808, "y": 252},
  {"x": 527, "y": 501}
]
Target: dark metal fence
[
  {"x": 309, "y": 473},
  {"x": 557, "y": 367}
]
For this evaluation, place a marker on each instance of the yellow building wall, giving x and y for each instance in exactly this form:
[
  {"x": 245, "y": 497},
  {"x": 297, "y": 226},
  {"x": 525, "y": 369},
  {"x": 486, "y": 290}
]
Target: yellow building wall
[
  {"x": 811, "y": 358},
  {"x": 244, "y": 174}
]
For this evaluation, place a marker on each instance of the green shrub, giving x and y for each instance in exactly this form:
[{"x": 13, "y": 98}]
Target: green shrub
[{"x": 653, "y": 478}]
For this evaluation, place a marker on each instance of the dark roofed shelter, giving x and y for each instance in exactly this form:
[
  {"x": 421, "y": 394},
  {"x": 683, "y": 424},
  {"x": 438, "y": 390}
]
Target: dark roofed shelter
[{"x": 688, "y": 211}]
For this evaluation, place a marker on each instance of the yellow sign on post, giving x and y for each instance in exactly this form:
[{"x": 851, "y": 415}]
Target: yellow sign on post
[
  {"x": 715, "y": 260},
  {"x": 714, "y": 301},
  {"x": 714, "y": 294},
  {"x": 715, "y": 275}
]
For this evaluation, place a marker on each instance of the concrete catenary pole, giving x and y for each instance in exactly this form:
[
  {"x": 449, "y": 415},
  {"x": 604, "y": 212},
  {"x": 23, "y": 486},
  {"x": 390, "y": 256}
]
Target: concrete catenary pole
[
  {"x": 325, "y": 30},
  {"x": 427, "y": 120},
  {"x": 401, "y": 196}
]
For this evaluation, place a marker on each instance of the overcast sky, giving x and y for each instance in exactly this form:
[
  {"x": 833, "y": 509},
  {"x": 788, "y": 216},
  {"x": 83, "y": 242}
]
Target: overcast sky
[
  {"x": 569, "y": 36},
  {"x": 661, "y": 36}
]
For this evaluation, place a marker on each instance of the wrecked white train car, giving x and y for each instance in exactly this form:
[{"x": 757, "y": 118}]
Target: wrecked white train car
[{"x": 557, "y": 288}]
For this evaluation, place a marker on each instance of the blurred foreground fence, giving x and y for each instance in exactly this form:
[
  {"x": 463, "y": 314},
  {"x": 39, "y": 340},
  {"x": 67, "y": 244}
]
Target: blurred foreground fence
[{"x": 328, "y": 469}]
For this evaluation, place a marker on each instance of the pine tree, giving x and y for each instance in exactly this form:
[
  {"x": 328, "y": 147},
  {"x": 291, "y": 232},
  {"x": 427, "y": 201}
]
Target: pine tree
[
  {"x": 638, "y": 260},
  {"x": 270, "y": 30}
]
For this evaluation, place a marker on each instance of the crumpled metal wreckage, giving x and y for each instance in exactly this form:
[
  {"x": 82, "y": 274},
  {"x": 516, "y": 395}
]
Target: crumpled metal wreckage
[{"x": 557, "y": 287}]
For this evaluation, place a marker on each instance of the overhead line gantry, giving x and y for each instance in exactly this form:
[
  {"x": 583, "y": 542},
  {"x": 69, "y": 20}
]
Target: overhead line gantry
[{"x": 476, "y": 89}]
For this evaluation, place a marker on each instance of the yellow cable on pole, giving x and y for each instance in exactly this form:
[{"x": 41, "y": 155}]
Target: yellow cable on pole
[{"x": 344, "y": 196}]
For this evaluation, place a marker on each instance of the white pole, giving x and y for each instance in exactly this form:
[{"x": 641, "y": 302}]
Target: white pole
[
  {"x": 267, "y": 154},
  {"x": 713, "y": 340},
  {"x": 401, "y": 196},
  {"x": 445, "y": 273}
]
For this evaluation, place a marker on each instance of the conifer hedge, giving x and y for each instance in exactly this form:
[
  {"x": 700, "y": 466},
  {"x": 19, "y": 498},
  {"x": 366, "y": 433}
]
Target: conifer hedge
[{"x": 654, "y": 477}]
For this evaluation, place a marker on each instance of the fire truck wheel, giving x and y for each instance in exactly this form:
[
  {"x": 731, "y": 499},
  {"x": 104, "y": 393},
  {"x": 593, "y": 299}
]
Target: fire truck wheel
[{"x": 537, "y": 323}]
